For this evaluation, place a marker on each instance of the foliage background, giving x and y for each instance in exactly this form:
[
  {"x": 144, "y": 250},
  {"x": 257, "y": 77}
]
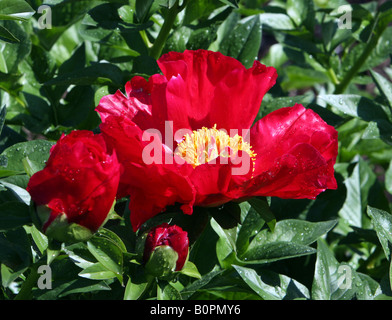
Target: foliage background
[{"x": 52, "y": 79}]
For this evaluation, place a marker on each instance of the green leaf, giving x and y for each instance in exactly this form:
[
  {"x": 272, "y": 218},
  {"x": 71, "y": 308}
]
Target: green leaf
[
  {"x": 126, "y": 13},
  {"x": 388, "y": 178},
  {"x": 198, "y": 10},
  {"x": 383, "y": 85},
  {"x": 108, "y": 254},
  {"x": 289, "y": 239},
  {"x": 275, "y": 251},
  {"x": 37, "y": 152},
  {"x": 193, "y": 287},
  {"x": 30, "y": 167},
  {"x": 165, "y": 291},
  {"x": 16, "y": 193},
  {"x": 223, "y": 32},
  {"x": 300, "y": 78},
  {"x": 80, "y": 254},
  {"x": 274, "y": 287},
  {"x": 332, "y": 281},
  {"x": 276, "y": 21},
  {"x": 251, "y": 225},
  {"x": 13, "y": 215},
  {"x": 190, "y": 270},
  {"x": 232, "y": 3},
  {"x": 97, "y": 272},
  {"x": 3, "y": 113},
  {"x": 15, "y": 249},
  {"x": 354, "y": 106},
  {"x": 358, "y": 185},
  {"x": 15, "y": 10},
  {"x": 225, "y": 246},
  {"x": 99, "y": 74},
  {"x": 263, "y": 209},
  {"x": 244, "y": 41},
  {"x": 166, "y": 3},
  {"x": 302, "y": 12},
  {"x": 382, "y": 222},
  {"x": 8, "y": 173},
  {"x": 137, "y": 284},
  {"x": 6, "y": 35},
  {"x": 198, "y": 39},
  {"x": 368, "y": 288},
  {"x": 363, "y": 108},
  {"x": 294, "y": 231},
  {"x": 390, "y": 274},
  {"x": 14, "y": 53},
  {"x": 39, "y": 238},
  {"x": 108, "y": 234},
  {"x": 142, "y": 8}
]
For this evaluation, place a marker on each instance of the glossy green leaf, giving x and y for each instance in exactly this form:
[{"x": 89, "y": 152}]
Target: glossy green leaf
[
  {"x": 190, "y": 270},
  {"x": 137, "y": 284},
  {"x": 276, "y": 21},
  {"x": 108, "y": 254},
  {"x": 269, "y": 287},
  {"x": 37, "y": 152},
  {"x": 192, "y": 288},
  {"x": 382, "y": 221},
  {"x": 251, "y": 225},
  {"x": 13, "y": 215},
  {"x": 294, "y": 231},
  {"x": 301, "y": 12},
  {"x": 15, "y": 250},
  {"x": 244, "y": 41},
  {"x": 6, "y": 35},
  {"x": 142, "y": 9},
  {"x": 275, "y": 251},
  {"x": 165, "y": 291},
  {"x": 290, "y": 238},
  {"x": 15, "y": 10},
  {"x": 384, "y": 86},
  {"x": 40, "y": 240},
  {"x": 14, "y": 53},
  {"x": 357, "y": 190},
  {"x": 100, "y": 74},
  {"x": 97, "y": 272},
  {"x": 225, "y": 246},
  {"x": 332, "y": 281},
  {"x": 263, "y": 209}
]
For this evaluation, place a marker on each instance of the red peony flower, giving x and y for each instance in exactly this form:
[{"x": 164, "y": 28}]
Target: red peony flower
[
  {"x": 171, "y": 236},
  {"x": 186, "y": 136},
  {"x": 75, "y": 191}
]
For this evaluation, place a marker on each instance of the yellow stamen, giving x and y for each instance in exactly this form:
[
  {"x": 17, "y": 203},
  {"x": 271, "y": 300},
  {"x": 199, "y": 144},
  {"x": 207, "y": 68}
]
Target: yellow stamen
[{"x": 207, "y": 144}]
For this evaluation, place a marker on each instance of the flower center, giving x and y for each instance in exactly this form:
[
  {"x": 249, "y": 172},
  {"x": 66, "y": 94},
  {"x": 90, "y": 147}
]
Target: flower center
[{"x": 207, "y": 144}]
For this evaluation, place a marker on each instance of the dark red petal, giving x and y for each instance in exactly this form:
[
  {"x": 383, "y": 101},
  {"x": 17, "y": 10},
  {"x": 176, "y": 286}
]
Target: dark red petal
[
  {"x": 179, "y": 242},
  {"x": 154, "y": 187},
  {"x": 296, "y": 151},
  {"x": 206, "y": 88},
  {"x": 81, "y": 176}
]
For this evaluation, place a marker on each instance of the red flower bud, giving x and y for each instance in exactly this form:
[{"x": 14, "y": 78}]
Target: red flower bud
[
  {"x": 76, "y": 190},
  {"x": 171, "y": 236}
]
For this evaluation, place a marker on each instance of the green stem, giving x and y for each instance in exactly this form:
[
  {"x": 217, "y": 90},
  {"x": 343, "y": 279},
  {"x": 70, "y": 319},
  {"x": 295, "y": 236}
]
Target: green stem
[
  {"x": 25, "y": 292},
  {"x": 143, "y": 34},
  {"x": 374, "y": 37},
  {"x": 160, "y": 41},
  {"x": 332, "y": 76}
]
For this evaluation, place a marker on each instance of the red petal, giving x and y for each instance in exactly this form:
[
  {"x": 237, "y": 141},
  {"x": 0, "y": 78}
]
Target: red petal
[
  {"x": 79, "y": 179},
  {"x": 201, "y": 82},
  {"x": 296, "y": 151},
  {"x": 153, "y": 188}
]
